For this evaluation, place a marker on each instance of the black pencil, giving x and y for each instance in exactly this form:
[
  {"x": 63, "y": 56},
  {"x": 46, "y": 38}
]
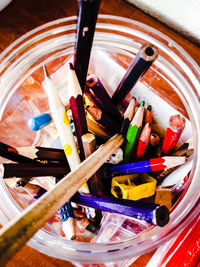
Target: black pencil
[
  {"x": 28, "y": 169},
  {"x": 41, "y": 153},
  {"x": 142, "y": 62},
  {"x": 87, "y": 17},
  {"x": 16, "y": 157}
]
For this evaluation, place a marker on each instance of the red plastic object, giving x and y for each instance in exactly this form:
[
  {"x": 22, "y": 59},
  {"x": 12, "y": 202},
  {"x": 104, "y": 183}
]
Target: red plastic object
[{"x": 186, "y": 249}]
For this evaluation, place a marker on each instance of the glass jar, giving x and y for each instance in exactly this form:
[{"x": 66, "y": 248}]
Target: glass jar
[{"x": 119, "y": 39}]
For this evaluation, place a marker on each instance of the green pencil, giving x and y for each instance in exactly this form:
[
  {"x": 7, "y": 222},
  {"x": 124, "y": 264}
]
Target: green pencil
[{"x": 133, "y": 132}]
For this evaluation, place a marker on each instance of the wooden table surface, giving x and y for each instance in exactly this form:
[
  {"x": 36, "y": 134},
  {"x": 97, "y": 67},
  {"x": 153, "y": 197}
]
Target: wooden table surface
[{"x": 22, "y": 16}]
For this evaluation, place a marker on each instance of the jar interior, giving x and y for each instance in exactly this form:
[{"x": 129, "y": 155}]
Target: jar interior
[{"x": 113, "y": 50}]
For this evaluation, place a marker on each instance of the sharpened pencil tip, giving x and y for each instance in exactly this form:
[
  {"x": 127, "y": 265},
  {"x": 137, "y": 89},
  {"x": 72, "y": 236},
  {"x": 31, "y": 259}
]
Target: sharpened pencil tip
[
  {"x": 46, "y": 72},
  {"x": 142, "y": 103},
  {"x": 149, "y": 108}
]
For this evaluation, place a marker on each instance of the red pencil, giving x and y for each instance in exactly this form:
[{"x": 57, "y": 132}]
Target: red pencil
[
  {"x": 173, "y": 132},
  {"x": 143, "y": 140},
  {"x": 145, "y": 134}
]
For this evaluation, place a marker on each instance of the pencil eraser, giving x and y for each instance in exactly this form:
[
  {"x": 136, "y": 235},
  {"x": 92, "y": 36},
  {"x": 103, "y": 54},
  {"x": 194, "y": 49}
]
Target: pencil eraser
[{"x": 39, "y": 121}]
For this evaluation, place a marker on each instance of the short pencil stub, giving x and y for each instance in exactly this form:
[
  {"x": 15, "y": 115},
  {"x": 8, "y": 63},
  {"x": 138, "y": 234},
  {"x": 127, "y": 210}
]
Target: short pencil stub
[{"x": 149, "y": 52}]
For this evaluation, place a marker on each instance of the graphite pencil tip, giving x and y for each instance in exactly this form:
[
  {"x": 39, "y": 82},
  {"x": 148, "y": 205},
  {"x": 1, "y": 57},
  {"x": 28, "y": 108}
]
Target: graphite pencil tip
[{"x": 46, "y": 74}]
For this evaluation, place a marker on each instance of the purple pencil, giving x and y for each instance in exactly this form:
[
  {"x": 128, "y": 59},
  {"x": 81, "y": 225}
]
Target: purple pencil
[
  {"x": 103, "y": 98},
  {"x": 149, "y": 212}
]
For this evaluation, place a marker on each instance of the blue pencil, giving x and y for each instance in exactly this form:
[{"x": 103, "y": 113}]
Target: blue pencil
[
  {"x": 151, "y": 213},
  {"x": 156, "y": 164}
]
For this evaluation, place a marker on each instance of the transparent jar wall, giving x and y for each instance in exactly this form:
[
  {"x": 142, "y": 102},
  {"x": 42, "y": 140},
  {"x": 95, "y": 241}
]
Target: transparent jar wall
[{"x": 53, "y": 44}]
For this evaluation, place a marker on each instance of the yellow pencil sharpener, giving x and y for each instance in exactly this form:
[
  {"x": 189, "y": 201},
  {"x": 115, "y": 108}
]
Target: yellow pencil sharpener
[{"x": 134, "y": 187}]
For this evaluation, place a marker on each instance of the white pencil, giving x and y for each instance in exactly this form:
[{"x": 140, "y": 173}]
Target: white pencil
[{"x": 62, "y": 124}]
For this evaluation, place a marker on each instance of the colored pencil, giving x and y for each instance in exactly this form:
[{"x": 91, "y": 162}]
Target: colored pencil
[
  {"x": 186, "y": 150},
  {"x": 141, "y": 63},
  {"x": 62, "y": 122},
  {"x": 148, "y": 115},
  {"x": 92, "y": 98},
  {"x": 143, "y": 140},
  {"x": 77, "y": 108},
  {"x": 87, "y": 17},
  {"x": 149, "y": 212},
  {"x": 38, "y": 122},
  {"x": 67, "y": 139},
  {"x": 145, "y": 134},
  {"x": 16, "y": 157},
  {"x": 173, "y": 132},
  {"x": 128, "y": 116},
  {"x": 16, "y": 233},
  {"x": 103, "y": 119},
  {"x": 96, "y": 129},
  {"x": 133, "y": 132},
  {"x": 28, "y": 169},
  {"x": 4, "y": 146},
  {"x": 104, "y": 101},
  {"x": 155, "y": 164},
  {"x": 41, "y": 153},
  {"x": 154, "y": 139},
  {"x": 153, "y": 148}
]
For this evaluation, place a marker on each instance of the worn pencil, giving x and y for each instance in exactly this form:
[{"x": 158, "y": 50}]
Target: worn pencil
[
  {"x": 86, "y": 23},
  {"x": 173, "y": 132},
  {"x": 141, "y": 63},
  {"x": 133, "y": 132}
]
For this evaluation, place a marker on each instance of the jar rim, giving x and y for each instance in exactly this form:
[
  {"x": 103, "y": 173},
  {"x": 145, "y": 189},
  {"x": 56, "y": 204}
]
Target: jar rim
[{"x": 126, "y": 245}]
